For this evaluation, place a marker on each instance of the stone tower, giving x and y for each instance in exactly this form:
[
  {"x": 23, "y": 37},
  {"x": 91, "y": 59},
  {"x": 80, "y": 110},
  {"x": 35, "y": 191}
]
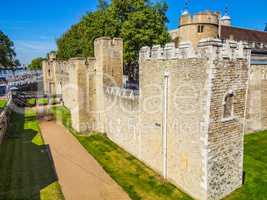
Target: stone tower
[
  {"x": 193, "y": 28},
  {"x": 48, "y": 69},
  {"x": 108, "y": 72},
  {"x": 109, "y": 56},
  {"x": 201, "y": 116},
  {"x": 187, "y": 120}
]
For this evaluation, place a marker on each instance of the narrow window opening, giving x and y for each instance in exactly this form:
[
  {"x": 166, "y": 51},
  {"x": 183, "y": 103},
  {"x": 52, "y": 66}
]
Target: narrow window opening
[
  {"x": 228, "y": 105},
  {"x": 200, "y": 29}
]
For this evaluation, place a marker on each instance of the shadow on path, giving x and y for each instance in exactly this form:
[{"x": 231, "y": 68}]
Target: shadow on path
[{"x": 25, "y": 165}]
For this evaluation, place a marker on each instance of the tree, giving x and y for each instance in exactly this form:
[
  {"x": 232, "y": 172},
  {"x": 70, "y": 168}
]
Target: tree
[
  {"x": 122, "y": 9},
  {"x": 70, "y": 44},
  {"x": 94, "y": 25},
  {"x": 138, "y": 22},
  {"x": 143, "y": 28},
  {"x": 36, "y": 64},
  {"x": 7, "y": 52},
  {"x": 102, "y": 5}
]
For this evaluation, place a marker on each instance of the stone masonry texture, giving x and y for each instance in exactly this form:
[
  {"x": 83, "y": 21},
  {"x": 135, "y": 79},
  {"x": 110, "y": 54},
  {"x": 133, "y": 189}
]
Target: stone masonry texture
[{"x": 204, "y": 150}]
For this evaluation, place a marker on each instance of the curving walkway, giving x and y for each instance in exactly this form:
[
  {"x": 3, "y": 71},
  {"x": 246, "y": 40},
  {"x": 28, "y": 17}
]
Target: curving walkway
[{"x": 79, "y": 174}]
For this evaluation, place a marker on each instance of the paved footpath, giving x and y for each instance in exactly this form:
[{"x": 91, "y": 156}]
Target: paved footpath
[{"x": 79, "y": 174}]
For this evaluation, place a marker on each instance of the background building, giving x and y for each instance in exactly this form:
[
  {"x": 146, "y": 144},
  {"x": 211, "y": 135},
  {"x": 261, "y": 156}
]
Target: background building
[{"x": 202, "y": 25}]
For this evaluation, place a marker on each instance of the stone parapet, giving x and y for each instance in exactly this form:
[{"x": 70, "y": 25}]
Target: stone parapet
[
  {"x": 203, "y": 151},
  {"x": 209, "y": 48}
]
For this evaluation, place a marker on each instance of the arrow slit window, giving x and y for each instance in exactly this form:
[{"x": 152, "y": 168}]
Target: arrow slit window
[{"x": 228, "y": 105}]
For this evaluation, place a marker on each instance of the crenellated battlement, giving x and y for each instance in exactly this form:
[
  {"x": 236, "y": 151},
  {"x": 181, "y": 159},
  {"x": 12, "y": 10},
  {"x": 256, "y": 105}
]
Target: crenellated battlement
[
  {"x": 52, "y": 56},
  {"x": 192, "y": 80},
  {"x": 206, "y": 17},
  {"x": 207, "y": 48},
  {"x": 109, "y": 41}
]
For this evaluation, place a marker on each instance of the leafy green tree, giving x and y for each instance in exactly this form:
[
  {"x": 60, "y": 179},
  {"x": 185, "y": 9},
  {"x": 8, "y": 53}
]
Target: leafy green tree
[
  {"x": 7, "y": 52},
  {"x": 138, "y": 22},
  {"x": 79, "y": 40},
  {"x": 102, "y": 5},
  {"x": 97, "y": 24},
  {"x": 36, "y": 64},
  {"x": 143, "y": 28},
  {"x": 122, "y": 9},
  {"x": 70, "y": 44},
  {"x": 17, "y": 62}
]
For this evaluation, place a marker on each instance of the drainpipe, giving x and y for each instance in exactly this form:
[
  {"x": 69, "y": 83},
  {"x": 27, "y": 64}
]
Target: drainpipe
[{"x": 165, "y": 136}]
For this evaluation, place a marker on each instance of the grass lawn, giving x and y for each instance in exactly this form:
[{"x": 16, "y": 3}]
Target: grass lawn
[
  {"x": 25, "y": 168},
  {"x": 139, "y": 181},
  {"x": 3, "y": 103},
  {"x": 255, "y": 166},
  {"x": 63, "y": 115},
  {"x": 42, "y": 101},
  {"x": 143, "y": 183},
  {"x": 31, "y": 102}
]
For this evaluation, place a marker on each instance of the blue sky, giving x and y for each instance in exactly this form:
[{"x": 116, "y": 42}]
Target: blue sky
[{"x": 34, "y": 25}]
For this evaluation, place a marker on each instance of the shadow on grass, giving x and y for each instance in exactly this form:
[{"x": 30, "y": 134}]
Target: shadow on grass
[{"x": 26, "y": 167}]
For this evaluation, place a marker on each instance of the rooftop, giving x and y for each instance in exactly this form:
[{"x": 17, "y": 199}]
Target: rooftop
[{"x": 241, "y": 34}]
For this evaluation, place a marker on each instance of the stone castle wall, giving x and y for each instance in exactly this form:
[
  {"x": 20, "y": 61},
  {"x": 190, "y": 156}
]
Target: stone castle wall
[
  {"x": 79, "y": 92},
  {"x": 225, "y": 135},
  {"x": 174, "y": 123},
  {"x": 213, "y": 152},
  {"x": 187, "y": 91},
  {"x": 257, "y": 99},
  {"x": 122, "y": 118},
  {"x": 4, "y": 120}
]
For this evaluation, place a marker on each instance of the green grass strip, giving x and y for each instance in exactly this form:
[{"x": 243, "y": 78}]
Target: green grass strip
[
  {"x": 31, "y": 102},
  {"x": 255, "y": 167},
  {"x": 3, "y": 103},
  {"x": 25, "y": 168},
  {"x": 42, "y": 101},
  {"x": 138, "y": 180},
  {"x": 143, "y": 183}
]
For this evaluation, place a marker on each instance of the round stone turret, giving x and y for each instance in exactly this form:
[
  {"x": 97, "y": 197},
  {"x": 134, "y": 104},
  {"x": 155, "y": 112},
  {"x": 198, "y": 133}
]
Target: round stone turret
[{"x": 194, "y": 28}]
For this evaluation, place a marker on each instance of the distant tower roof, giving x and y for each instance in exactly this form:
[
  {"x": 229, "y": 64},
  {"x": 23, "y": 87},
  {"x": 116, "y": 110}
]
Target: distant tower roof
[
  {"x": 265, "y": 27},
  {"x": 226, "y": 19},
  {"x": 185, "y": 11}
]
